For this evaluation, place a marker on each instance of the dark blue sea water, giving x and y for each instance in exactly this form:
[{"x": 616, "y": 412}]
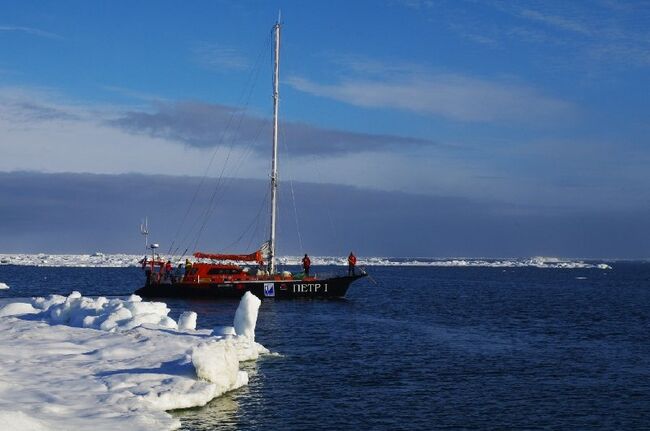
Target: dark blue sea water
[{"x": 428, "y": 348}]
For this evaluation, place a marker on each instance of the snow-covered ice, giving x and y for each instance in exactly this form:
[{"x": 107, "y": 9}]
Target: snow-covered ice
[
  {"x": 72, "y": 260},
  {"x": 187, "y": 321},
  {"x": 130, "y": 260},
  {"x": 74, "y": 362},
  {"x": 3, "y": 286},
  {"x": 246, "y": 316}
]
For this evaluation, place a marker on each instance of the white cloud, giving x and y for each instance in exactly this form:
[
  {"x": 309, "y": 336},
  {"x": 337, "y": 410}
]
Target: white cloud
[
  {"x": 206, "y": 125},
  {"x": 218, "y": 57},
  {"x": 39, "y": 134},
  {"x": 560, "y": 22},
  {"x": 452, "y": 96},
  {"x": 42, "y": 132},
  {"x": 30, "y": 30},
  {"x": 571, "y": 33}
]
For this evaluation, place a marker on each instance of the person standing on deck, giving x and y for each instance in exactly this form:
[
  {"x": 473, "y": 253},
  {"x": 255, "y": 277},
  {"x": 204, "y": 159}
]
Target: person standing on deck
[
  {"x": 178, "y": 273},
  {"x": 306, "y": 263},
  {"x": 188, "y": 266},
  {"x": 352, "y": 261},
  {"x": 168, "y": 270}
]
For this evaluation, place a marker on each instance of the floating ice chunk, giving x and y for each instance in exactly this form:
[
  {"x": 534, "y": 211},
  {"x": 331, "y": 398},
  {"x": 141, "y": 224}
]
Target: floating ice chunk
[
  {"x": 46, "y": 303},
  {"x": 224, "y": 330},
  {"x": 159, "y": 308},
  {"x": 246, "y": 315},
  {"x": 66, "y": 377},
  {"x": 217, "y": 363},
  {"x": 16, "y": 309},
  {"x": 167, "y": 322},
  {"x": 125, "y": 317},
  {"x": 247, "y": 350},
  {"x": 187, "y": 321},
  {"x": 3, "y": 286},
  {"x": 101, "y": 313},
  {"x": 19, "y": 421}
]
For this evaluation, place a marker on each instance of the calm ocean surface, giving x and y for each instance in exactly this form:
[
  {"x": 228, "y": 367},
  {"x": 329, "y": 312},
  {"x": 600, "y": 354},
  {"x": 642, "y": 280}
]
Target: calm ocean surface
[{"x": 427, "y": 348}]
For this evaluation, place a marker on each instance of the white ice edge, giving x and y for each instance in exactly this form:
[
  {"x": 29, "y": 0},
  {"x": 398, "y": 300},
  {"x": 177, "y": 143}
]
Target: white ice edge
[
  {"x": 129, "y": 260},
  {"x": 93, "y": 363}
]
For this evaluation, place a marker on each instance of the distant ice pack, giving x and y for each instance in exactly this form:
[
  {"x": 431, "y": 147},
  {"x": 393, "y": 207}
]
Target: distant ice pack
[{"x": 130, "y": 260}]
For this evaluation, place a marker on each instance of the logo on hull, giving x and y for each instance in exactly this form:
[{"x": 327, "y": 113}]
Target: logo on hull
[{"x": 269, "y": 289}]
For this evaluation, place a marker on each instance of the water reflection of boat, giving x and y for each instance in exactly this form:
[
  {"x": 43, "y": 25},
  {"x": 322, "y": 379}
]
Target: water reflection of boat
[{"x": 225, "y": 275}]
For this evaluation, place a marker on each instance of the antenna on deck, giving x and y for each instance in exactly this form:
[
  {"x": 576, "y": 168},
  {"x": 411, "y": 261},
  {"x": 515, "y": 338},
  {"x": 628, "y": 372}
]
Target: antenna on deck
[{"x": 144, "y": 230}]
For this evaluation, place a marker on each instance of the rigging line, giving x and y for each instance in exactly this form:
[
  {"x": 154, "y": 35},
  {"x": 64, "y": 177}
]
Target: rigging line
[
  {"x": 198, "y": 188},
  {"x": 247, "y": 151},
  {"x": 218, "y": 188},
  {"x": 211, "y": 205},
  {"x": 252, "y": 76},
  {"x": 219, "y": 191},
  {"x": 250, "y": 225},
  {"x": 254, "y": 234},
  {"x": 207, "y": 210},
  {"x": 256, "y": 220},
  {"x": 293, "y": 195},
  {"x": 206, "y": 213},
  {"x": 264, "y": 204},
  {"x": 228, "y": 181}
]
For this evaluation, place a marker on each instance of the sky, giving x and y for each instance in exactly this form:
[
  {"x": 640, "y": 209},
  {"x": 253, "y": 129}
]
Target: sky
[{"x": 435, "y": 128}]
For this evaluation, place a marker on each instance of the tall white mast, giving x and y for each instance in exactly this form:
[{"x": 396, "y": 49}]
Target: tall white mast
[{"x": 274, "y": 160}]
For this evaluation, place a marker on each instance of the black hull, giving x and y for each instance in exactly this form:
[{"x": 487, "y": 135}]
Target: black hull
[{"x": 335, "y": 287}]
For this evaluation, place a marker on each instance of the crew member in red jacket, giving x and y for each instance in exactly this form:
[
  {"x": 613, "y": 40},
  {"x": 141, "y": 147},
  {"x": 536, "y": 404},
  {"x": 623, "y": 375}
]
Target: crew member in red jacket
[
  {"x": 352, "y": 261},
  {"x": 306, "y": 263}
]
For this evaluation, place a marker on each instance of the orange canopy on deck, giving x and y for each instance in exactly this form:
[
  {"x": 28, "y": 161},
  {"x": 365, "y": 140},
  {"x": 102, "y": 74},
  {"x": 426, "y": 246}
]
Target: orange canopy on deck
[{"x": 253, "y": 257}]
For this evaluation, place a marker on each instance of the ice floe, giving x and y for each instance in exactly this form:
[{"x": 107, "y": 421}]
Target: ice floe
[
  {"x": 73, "y": 362},
  {"x": 3, "y": 286},
  {"x": 535, "y": 262},
  {"x": 130, "y": 260}
]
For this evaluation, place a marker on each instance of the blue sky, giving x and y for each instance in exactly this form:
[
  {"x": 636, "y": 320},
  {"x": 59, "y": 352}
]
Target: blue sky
[{"x": 539, "y": 108}]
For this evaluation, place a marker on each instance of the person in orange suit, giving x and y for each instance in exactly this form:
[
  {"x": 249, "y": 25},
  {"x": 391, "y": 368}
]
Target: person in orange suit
[{"x": 352, "y": 262}]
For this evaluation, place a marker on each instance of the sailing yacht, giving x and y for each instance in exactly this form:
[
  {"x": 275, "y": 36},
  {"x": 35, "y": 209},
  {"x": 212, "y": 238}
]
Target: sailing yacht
[{"x": 216, "y": 275}]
